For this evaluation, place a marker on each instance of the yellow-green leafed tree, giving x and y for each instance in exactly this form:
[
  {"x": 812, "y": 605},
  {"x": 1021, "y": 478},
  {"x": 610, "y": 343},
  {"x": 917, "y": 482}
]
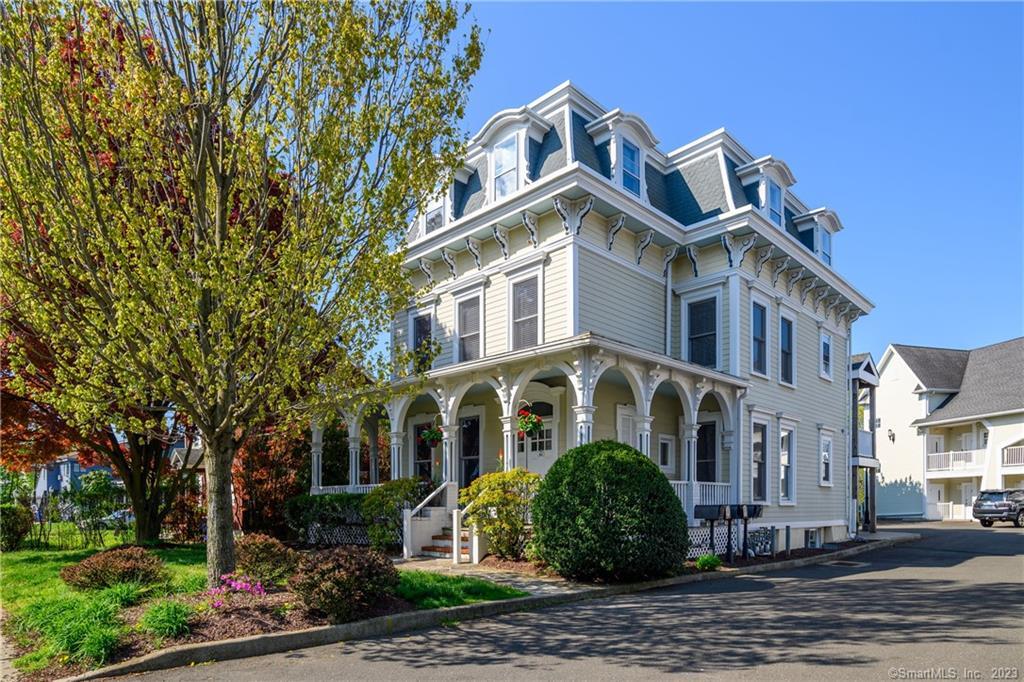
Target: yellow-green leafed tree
[{"x": 204, "y": 202}]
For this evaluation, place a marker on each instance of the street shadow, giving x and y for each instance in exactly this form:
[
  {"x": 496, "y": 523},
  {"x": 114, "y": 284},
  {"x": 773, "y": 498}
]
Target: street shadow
[{"x": 719, "y": 626}]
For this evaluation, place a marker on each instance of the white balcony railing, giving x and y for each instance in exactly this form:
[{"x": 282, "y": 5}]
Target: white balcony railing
[
  {"x": 691, "y": 493},
  {"x": 332, "y": 489},
  {"x": 955, "y": 460},
  {"x": 1013, "y": 456}
]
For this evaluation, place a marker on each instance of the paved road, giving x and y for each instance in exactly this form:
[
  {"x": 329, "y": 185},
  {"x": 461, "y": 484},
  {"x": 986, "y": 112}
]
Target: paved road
[{"x": 954, "y": 599}]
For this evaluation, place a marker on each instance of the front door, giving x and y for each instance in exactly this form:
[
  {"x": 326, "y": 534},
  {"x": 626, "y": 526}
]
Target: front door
[
  {"x": 469, "y": 450},
  {"x": 968, "y": 491},
  {"x": 707, "y": 455}
]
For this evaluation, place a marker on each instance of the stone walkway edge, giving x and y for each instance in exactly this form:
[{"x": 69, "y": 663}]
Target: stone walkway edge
[{"x": 278, "y": 642}]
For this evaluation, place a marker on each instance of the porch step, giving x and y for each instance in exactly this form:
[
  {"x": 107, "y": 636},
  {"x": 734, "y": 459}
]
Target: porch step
[
  {"x": 446, "y": 542},
  {"x": 441, "y": 552},
  {"x": 447, "y": 535}
]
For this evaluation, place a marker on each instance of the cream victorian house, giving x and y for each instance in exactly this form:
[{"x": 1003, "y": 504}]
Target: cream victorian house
[{"x": 685, "y": 302}]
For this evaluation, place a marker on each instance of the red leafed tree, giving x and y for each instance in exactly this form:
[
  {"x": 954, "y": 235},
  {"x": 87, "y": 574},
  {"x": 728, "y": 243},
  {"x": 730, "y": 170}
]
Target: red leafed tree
[{"x": 34, "y": 433}]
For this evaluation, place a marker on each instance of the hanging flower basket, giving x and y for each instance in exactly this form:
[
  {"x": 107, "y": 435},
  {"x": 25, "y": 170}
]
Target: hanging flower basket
[
  {"x": 431, "y": 436},
  {"x": 527, "y": 422}
]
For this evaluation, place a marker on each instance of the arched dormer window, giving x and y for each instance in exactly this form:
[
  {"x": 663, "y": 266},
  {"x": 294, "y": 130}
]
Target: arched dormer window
[
  {"x": 505, "y": 140},
  {"x": 628, "y": 138},
  {"x": 505, "y": 166},
  {"x": 773, "y": 177}
]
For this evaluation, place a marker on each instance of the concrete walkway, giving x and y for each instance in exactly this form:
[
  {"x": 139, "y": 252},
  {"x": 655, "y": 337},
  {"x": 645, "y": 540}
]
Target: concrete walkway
[{"x": 531, "y": 584}]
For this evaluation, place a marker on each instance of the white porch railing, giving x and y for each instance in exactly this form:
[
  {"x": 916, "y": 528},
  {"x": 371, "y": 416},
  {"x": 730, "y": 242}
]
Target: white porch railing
[
  {"x": 1013, "y": 456},
  {"x": 362, "y": 488},
  {"x": 955, "y": 459},
  {"x": 692, "y": 493}
]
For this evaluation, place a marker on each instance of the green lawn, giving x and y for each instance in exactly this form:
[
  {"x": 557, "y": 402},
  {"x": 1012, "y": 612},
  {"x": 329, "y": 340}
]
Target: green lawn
[
  {"x": 434, "y": 590},
  {"x": 27, "y": 575}
]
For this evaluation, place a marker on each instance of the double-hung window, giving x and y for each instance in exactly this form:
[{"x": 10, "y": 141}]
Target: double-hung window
[
  {"x": 825, "y": 247},
  {"x": 469, "y": 329},
  {"x": 702, "y": 332},
  {"x": 775, "y": 202},
  {"x": 759, "y": 338},
  {"x": 786, "y": 362},
  {"x": 666, "y": 452},
  {"x": 421, "y": 340},
  {"x": 826, "y": 459},
  {"x": 435, "y": 219},
  {"x": 786, "y": 482},
  {"x": 525, "y": 313},
  {"x": 759, "y": 462},
  {"x": 826, "y": 356},
  {"x": 631, "y": 167},
  {"x": 506, "y": 167}
]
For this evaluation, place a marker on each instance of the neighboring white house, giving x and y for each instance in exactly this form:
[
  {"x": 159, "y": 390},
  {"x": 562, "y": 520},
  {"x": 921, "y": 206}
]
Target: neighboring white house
[
  {"x": 951, "y": 423},
  {"x": 685, "y": 302}
]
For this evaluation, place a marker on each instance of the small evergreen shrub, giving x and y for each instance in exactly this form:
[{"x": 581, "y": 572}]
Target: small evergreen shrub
[
  {"x": 265, "y": 559},
  {"x": 604, "y": 511},
  {"x": 166, "y": 618},
  {"x": 708, "y": 562},
  {"x": 501, "y": 509},
  {"x": 113, "y": 566},
  {"x": 305, "y": 513},
  {"x": 344, "y": 583},
  {"x": 382, "y": 509},
  {"x": 15, "y": 525}
]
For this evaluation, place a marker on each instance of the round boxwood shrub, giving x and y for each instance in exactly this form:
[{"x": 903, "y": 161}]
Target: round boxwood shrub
[
  {"x": 113, "y": 566},
  {"x": 265, "y": 559},
  {"x": 604, "y": 511},
  {"x": 15, "y": 524},
  {"x": 344, "y": 583}
]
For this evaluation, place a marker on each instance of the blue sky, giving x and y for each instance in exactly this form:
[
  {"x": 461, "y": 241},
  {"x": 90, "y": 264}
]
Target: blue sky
[{"x": 906, "y": 119}]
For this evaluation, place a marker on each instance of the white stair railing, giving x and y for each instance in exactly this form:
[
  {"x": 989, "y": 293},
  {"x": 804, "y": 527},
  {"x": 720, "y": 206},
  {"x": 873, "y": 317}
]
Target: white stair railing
[{"x": 408, "y": 545}]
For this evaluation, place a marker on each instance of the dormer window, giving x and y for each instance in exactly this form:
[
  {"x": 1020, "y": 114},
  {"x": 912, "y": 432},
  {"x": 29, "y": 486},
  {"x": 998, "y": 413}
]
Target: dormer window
[
  {"x": 825, "y": 246},
  {"x": 775, "y": 202},
  {"x": 631, "y": 167},
  {"x": 506, "y": 167},
  {"x": 435, "y": 219}
]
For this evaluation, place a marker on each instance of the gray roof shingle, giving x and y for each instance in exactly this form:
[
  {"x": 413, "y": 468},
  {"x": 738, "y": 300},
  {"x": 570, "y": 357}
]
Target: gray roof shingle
[
  {"x": 993, "y": 382},
  {"x": 936, "y": 368}
]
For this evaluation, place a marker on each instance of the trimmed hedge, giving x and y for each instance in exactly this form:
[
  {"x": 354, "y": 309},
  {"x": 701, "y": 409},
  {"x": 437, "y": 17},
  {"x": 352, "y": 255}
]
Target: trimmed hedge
[
  {"x": 113, "y": 566},
  {"x": 308, "y": 514},
  {"x": 15, "y": 525},
  {"x": 604, "y": 511},
  {"x": 344, "y": 583}
]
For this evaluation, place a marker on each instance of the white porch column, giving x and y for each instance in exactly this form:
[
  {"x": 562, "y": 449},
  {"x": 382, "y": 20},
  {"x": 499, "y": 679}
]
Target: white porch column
[
  {"x": 353, "y": 450},
  {"x": 372, "y": 434},
  {"x": 316, "y": 476},
  {"x": 584, "y": 423},
  {"x": 690, "y": 451},
  {"x": 643, "y": 434},
  {"x": 508, "y": 443},
  {"x": 397, "y": 437},
  {"x": 448, "y": 470}
]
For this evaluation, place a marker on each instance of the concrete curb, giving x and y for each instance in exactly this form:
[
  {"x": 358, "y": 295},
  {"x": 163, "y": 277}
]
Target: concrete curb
[{"x": 278, "y": 642}]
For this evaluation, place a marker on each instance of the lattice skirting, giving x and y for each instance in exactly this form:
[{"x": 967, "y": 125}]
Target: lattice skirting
[
  {"x": 759, "y": 540},
  {"x": 349, "y": 534}
]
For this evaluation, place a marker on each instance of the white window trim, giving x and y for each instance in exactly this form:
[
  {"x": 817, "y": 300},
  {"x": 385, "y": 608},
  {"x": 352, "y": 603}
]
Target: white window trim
[
  {"x": 671, "y": 441},
  {"x": 791, "y": 428},
  {"x": 818, "y": 241},
  {"x": 623, "y": 141},
  {"x": 411, "y": 329},
  {"x": 492, "y": 195},
  {"x": 758, "y": 420},
  {"x": 519, "y": 276},
  {"x": 696, "y": 296},
  {"x": 823, "y": 435},
  {"x": 707, "y": 418},
  {"x": 785, "y": 314},
  {"x": 625, "y": 410},
  {"x": 756, "y": 298},
  {"x": 769, "y": 181},
  {"x": 477, "y": 293},
  {"x": 821, "y": 355}
]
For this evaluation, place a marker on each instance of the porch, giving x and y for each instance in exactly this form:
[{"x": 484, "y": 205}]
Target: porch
[{"x": 682, "y": 415}]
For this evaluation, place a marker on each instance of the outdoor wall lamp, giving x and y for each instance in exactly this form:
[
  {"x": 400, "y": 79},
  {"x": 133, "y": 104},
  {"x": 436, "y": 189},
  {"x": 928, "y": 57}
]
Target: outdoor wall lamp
[{"x": 892, "y": 436}]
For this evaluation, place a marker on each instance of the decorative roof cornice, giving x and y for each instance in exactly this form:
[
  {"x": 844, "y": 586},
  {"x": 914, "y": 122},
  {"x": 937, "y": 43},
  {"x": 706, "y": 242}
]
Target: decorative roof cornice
[{"x": 765, "y": 163}]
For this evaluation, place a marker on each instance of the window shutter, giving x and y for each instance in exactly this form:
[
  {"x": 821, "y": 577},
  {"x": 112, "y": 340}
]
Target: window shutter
[
  {"x": 524, "y": 313},
  {"x": 469, "y": 329},
  {"x": 626, "y": 433}
]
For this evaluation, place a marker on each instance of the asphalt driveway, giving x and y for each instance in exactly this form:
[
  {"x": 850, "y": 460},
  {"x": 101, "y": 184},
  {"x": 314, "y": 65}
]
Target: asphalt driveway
[{"x": 954, "y": 601}]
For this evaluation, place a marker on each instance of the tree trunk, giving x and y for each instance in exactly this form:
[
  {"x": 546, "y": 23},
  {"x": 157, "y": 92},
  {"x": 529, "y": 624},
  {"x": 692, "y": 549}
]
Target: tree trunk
[
  {"x": 220, "y": 540},
  {"x": 148, "y": 522}
]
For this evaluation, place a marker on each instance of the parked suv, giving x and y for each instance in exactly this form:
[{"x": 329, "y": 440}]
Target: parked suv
[{"x": 1000, "y": 505}]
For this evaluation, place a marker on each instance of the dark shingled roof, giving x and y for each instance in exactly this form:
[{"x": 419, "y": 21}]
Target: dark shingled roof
[
  {"x": 936, "y": 368},
  {"x": 858, "y": 359},
  {"x": 993, "y": 381}
]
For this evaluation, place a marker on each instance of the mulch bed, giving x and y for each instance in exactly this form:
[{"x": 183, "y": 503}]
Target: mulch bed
[
  {"x": 241, "y": 615},
  {"x": 524, "y": 567}
]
